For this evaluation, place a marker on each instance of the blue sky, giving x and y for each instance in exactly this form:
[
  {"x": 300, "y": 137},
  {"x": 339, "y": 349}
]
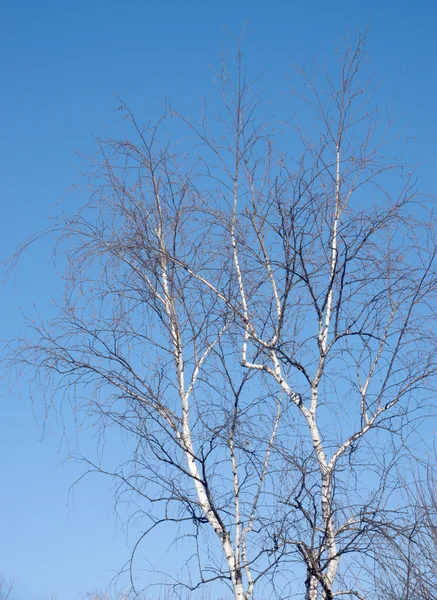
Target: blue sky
[{"x": 61, "y": 63}]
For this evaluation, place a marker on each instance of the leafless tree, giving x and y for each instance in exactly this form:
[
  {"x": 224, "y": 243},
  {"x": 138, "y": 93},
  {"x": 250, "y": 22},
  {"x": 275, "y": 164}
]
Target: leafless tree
[{"x": 261, "y": 323}]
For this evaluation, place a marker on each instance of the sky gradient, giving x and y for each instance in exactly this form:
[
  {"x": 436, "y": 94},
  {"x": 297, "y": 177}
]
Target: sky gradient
[{"x": 61, "y": 64}]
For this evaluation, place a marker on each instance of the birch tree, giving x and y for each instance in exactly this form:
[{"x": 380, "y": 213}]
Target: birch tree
[
  {"x": 138, "y": 344},
  {"x": 261, "y": 321}
]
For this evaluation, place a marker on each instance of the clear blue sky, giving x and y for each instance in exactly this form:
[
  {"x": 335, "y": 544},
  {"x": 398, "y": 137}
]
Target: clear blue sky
[{"x": 61, "y": 63}]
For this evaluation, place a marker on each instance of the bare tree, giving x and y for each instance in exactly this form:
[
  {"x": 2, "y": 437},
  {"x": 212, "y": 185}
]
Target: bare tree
[
  {"x": 261, "y": 323},
  {"x": 336, "y": 278},
  {"x": 139, "y": 344}
]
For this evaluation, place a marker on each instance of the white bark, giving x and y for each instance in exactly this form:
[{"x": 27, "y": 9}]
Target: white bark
[{"x": 185, "y": 437}]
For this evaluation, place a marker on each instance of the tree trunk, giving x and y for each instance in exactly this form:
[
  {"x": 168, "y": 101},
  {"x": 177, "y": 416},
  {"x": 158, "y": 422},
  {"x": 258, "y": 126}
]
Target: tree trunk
[{"x": 311, "y": 587}]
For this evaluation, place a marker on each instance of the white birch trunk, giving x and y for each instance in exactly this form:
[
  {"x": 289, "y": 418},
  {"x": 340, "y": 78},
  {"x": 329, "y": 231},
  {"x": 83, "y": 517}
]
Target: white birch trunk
[
  {"x": 311, "y": 593},
  {"x": 185, "y": 437}
]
